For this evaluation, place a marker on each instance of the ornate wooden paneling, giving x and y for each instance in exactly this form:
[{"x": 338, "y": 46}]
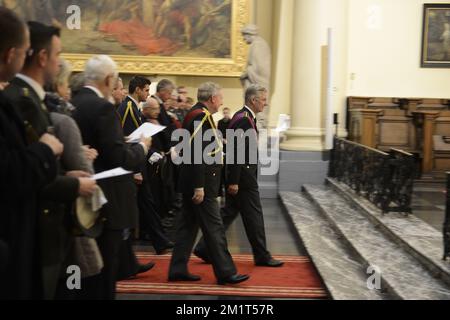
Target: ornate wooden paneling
[{"x": 405, "y": 123}]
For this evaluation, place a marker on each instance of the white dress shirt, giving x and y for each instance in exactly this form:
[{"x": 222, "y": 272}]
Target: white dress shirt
[
  {"x": 34, "y": 85},
  {"x": 97, "y": 92}
]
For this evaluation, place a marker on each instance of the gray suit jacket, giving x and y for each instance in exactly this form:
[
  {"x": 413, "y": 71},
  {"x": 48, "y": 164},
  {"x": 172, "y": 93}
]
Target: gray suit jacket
[{"x": 66, "y": 129}]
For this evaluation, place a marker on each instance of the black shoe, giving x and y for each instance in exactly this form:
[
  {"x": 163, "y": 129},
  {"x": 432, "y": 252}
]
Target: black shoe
[
  {"x": 143, "y": 268},
  {"x": 272, "y": 263},
  {"x": 184, "y": 277},
  {"x": 169, "y": 246},
  {"x": 200, "y": 255},
  {"x": 235, "y": 279}
]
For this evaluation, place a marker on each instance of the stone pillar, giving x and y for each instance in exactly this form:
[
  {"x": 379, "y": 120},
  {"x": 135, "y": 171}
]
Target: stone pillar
[
  {"x": 282, "y": 60},
  {"x": 428, "y": 132},
  {"x": 368, "y": 120},
  {"x": 303, "y": 159},
  {"x": 312, "y": 19}
]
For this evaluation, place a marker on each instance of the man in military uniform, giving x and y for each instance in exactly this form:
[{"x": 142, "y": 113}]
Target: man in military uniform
[
  {"x": 242, "y": 180},
  {"x": 130, "y": 115},
  {"x": 200, "y": 180},
  {"x": 27, "y": 93},
  {"x": 25, "y": 168}
]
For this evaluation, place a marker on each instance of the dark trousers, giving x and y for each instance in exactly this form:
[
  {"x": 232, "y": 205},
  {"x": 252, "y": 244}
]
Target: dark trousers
[
  {"x": 150, "y": 221},
  {"x": 4, "y": 253},
  {"x": 248, "y": 203},
  {"x": 128, "y": 263},
  {"x": 90, "y": 290},
  {"x": 3, "y": 257},
  {"x": 109, "y": 244},
  {"x": 207, "y": 217}
]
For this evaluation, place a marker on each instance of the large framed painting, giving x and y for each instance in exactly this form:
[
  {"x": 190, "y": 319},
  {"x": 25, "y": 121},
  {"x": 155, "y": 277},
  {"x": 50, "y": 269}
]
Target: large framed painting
[
  {"x": 171, "y": 37},
  {"x": 436, "y": 36}
]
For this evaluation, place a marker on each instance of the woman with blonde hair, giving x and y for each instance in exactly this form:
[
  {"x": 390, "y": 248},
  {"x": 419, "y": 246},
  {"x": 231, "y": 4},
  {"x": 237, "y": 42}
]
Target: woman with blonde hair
[{"x": 59, "y": 93}]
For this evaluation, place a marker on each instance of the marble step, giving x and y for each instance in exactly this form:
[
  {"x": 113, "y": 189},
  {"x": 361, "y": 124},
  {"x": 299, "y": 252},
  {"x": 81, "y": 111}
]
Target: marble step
[
  {"x": 268, "y": 190},
  {"x": 342, "y": 272},
  {"x": 416, "y": 236},
  {"x": 401, "y": 273}
]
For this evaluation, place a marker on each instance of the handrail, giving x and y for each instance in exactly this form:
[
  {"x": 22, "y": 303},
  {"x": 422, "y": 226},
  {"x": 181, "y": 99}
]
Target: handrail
[
  {"x": 402, "y": 152},
  {"x": 446, "y": 228},
  {"x": 366, "y": 147},
  {"x": 386, "y": 179}
]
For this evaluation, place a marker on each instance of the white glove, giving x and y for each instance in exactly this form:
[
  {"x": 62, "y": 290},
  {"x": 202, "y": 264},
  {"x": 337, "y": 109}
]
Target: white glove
[{"x": 156, "y": 157}]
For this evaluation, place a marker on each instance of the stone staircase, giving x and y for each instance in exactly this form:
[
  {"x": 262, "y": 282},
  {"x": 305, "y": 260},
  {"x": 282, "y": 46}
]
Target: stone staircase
[{"x": 345, "y": 235}]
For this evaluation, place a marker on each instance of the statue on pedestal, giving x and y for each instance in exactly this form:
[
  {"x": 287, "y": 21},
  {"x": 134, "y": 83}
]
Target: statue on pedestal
[{"x": 258, "y": 69}]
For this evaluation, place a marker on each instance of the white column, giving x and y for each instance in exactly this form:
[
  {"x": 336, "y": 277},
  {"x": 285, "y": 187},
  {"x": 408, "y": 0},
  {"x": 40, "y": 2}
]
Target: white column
[
  {"x": 282, "y": 59},
  {"x": 309, "y": 70},
  {"x": 253, "y": 11}
]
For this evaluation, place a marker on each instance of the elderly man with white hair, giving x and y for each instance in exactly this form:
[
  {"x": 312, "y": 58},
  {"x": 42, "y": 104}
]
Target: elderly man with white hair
[{"x": 100, "y": 128}]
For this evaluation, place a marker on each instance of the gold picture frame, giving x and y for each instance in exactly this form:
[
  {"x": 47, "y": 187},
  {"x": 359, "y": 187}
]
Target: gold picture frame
[
  {"x": 222, "y": 57},
  {"x": 436, "y": 36}
]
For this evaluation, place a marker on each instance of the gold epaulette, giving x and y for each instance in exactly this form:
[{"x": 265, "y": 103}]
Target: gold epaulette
[
  {"x": 208, "y": 117},
  {"x": 129, "y": 110}
]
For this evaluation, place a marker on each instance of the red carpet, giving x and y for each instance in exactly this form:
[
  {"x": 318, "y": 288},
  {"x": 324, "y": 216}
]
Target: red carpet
[{"x": 296, "y": 279}]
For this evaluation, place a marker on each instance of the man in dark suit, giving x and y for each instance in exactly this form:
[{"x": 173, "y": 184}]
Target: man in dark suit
[
  {"x": 164, "y": 91},
  {"x": 131, "y": 119},
  {"x": 242, "y": 180},
  {"x": 130, "y": 115},
  {"x": 24, "y": 170},
  {"x": 57, "y": 199},
  {"x": 101, "y": 129},
  {"x": 224, "y": 122},
  {"x": 199, "y": 183}
]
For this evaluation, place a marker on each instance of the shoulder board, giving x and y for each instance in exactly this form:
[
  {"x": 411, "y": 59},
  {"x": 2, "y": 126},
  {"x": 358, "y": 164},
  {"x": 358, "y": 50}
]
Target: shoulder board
[{"x": 26, "y": 92}]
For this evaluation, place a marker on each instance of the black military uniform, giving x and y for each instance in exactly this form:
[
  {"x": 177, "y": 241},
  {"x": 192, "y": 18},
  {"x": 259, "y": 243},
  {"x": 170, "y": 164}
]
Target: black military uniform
[
  {"x": 170, "y": 172},
  {"x": 223, "y": 126},
  {"x": 206, "y": 215},
  {"x": 247, "y": 201},
  {"x": 131, "y": 117},
  {"x": 24, "y": 170},
  {"x": 57, "y": 198}
]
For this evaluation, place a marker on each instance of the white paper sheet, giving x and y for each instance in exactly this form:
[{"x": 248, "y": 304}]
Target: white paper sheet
[
  {"x": 284, "y": 123},
  {"x": 147, "y": 130},
  {"x": 111, "y": 174}
]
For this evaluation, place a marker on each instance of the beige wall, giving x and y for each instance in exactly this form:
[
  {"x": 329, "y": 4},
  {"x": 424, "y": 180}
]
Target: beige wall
[{"x": 384, "y": 56}]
